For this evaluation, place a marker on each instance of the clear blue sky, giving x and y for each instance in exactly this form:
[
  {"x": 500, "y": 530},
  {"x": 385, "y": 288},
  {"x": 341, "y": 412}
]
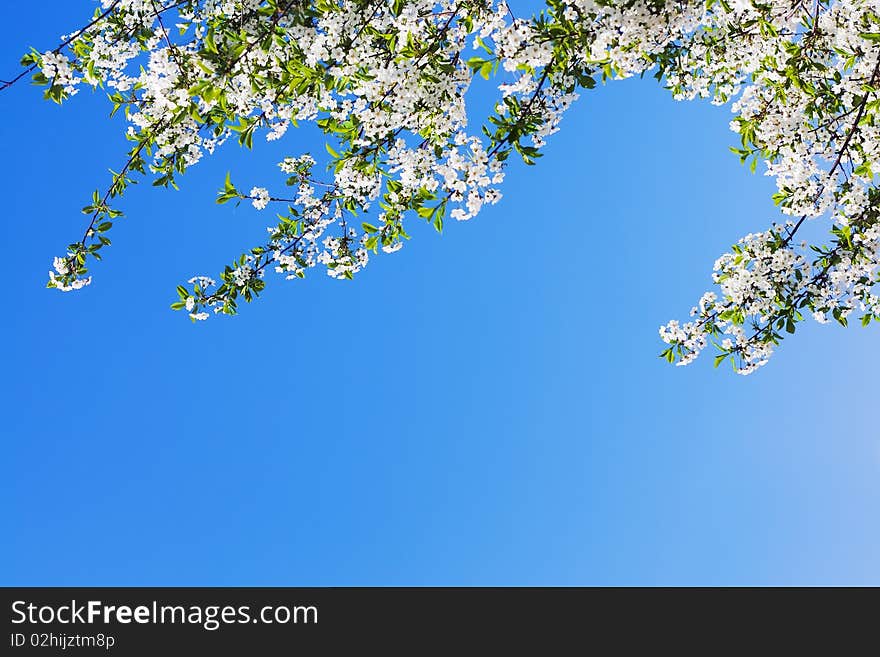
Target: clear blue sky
[{"x": 483, "y": 407}]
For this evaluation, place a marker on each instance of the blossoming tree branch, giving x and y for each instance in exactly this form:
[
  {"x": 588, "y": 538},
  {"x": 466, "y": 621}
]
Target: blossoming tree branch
[{"x": 387, "y": 80}]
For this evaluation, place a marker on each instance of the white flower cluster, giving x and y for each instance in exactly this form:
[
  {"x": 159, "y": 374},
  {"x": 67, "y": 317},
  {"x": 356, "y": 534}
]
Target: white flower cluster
[
  {"x": 387, "y": 82},
  {"x": 57, "y": 69},
  {"x": 63, "y": 269},
  {"x": 259, "y": 197}
]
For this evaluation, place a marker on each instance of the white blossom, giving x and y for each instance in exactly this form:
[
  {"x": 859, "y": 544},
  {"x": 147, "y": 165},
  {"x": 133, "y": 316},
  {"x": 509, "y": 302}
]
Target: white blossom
[
  {"x": 259, "y": 197},
  {"x": 800, "y": 78}
]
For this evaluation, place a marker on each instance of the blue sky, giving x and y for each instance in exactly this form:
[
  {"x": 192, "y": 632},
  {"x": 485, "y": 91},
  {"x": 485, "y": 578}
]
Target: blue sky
[{"x": 483, "y": 407}]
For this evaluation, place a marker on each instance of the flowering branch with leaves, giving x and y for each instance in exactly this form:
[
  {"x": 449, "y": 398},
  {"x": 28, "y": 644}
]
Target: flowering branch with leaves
[{"x": 387, "y": 83}]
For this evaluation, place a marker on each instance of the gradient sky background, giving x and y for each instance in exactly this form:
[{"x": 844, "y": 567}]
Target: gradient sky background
[{"x": 485, "y": 407}]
